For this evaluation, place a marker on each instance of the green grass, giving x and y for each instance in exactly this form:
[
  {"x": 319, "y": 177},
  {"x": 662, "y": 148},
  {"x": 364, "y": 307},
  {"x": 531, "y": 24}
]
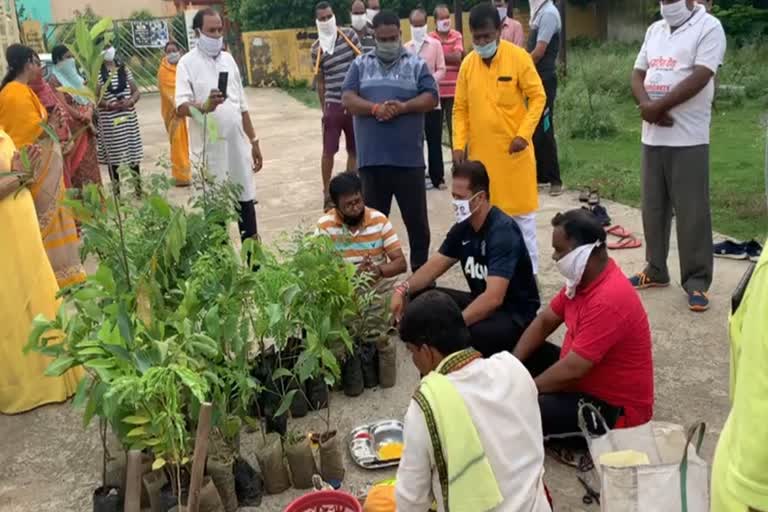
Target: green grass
[
  {"x": 737, "y": 187},
  {"x": 304, "y": 95}
]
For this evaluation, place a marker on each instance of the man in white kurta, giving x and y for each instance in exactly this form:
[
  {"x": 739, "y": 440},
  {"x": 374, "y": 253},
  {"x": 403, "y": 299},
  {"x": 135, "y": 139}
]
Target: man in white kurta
[
  {"x": 235, "y": 155},
  {"x": 501, "y": 399}
]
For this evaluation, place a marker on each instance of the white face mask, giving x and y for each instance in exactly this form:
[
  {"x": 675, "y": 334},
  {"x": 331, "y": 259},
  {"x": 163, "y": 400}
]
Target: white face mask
[
  {"x": 174, "y": 57},
  {"x": 326, "y": 34},
  {"x": 211, "y": 46},
  {"x": 444, "y": 26},
  {"x": 419, "y": 34},
  {"x": 572, "y": 266},
  {"x": 109, "y": 54},
  {"x": 502, "y": 12},
  {"x": 462, "y": 210},
  {"x": 371, "y": 13},
  {"x": 675, "y": 14},
  {"x": 359, "y": 21}
]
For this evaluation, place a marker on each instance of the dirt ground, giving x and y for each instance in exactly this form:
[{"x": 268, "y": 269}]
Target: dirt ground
[{"x": 48, "y": 462}]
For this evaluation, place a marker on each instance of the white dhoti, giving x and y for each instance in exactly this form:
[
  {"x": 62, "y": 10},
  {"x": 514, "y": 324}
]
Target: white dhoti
[
  {"x": 229, "y": 157},
  {"x": 527, "y": 225}
]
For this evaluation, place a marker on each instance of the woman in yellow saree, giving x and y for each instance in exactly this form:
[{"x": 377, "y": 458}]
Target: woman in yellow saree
[
  {"x": 175, "y": 126},
  {"x": 28, "y": 288},
  {"x": 21, "y": 115}
]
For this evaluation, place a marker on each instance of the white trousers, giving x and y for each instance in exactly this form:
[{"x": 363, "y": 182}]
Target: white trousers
[
  {"x": 527, "y": 225},
  {"x": 229, "y": 159}
]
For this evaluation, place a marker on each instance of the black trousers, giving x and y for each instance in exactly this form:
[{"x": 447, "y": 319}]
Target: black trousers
[
  {"x": 433, "y": 131},
  {"x": 406, "y": 184},
  {"x": 560, "y": 411},
  {"x": 497, "y": 333},
  {"x": 247, "y": 220},
  {"x": 114, "y": 176},
  {"x": 544, "y": 143},
  {"x": 447, "y": 105}
]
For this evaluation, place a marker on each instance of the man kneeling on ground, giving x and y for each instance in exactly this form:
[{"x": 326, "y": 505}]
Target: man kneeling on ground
[
  {"x": 503, "y": 297},
  {"x": 364, "y": 236},
  {"x": 472, "y": 431},
  {"x": 606, "y": 357}
]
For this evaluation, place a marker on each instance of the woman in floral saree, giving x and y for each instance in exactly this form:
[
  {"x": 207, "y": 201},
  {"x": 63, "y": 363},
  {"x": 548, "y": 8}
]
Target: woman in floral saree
[{"x": 81, "y": 166}]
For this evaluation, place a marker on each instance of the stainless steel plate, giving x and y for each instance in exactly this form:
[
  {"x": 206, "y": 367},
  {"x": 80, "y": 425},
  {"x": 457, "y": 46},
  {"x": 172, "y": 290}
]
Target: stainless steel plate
[{"x": 366, "y": 440}]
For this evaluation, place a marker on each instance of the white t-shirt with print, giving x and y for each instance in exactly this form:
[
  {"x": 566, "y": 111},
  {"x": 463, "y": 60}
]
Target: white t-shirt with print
[{"x": 670, "y": 57}]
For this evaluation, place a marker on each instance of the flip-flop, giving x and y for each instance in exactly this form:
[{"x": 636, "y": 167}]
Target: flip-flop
[
  {"x": 618, "y": 231},
  {"x": 629, "y": 242}
]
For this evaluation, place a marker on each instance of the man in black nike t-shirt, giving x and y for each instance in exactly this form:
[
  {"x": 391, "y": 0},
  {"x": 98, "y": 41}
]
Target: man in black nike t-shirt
[{"x": 503, "y": 297}]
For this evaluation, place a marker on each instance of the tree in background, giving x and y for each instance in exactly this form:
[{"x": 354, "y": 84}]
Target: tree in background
[{"x": 277, "y": 14}]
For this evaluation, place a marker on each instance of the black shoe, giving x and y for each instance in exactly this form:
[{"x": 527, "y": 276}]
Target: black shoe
[{"x": 754, "y": 250}]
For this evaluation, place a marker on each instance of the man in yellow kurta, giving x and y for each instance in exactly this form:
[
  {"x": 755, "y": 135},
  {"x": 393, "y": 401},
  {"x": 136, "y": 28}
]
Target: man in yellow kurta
[{"x": 499, "y": 101}]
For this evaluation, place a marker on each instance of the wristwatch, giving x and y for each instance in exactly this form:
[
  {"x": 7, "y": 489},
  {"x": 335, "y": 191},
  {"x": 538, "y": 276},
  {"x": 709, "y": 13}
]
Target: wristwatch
[{"x": 255, "y": 141}]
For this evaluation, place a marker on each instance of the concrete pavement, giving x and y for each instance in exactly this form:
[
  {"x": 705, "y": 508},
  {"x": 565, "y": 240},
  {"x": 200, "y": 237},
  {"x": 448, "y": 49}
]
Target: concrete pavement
[{"x": 49, "y": 463}]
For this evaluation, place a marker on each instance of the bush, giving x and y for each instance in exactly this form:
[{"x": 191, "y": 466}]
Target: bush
[{"x": 585, "y": 114}]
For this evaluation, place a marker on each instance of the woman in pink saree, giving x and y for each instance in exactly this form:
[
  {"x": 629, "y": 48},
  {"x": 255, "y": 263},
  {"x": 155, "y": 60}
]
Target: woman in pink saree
[{"x": 81, "y": 166}]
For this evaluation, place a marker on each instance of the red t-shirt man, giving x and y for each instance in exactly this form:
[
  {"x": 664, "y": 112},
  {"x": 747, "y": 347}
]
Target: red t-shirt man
[{"x": 608, "y": 325}]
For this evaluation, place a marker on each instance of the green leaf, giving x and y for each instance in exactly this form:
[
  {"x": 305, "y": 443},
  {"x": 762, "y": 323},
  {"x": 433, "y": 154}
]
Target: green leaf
[
  {"x": 205, "y": 349},
  {"x": 286, "y": 402},
  {"x": 124, "y": 324},
  {"x": 118, "y": 351},
  {"x": 104, "y": 277},
  {"x": 59, "y": 366},
  {"x": 83, "y": 92},
  {"x": 142, "y": 361},
  {"x": 86, "y": 294},
  {"x": 90, "y": 410},
  {"x": 197, "y": 115},
  {"x": 100, "y": 363},
  {"x": 81, "y": 393},
  {"x": 100, "y": 27},
  {"x": 213, "y": 130},
  {"x": 39, "y": 326},
  {"x": 160, "y": 206},
  {"x": 92, "y": 351},
  {"x": 281, "y": 373},
  {"x": 159, "y": 463},
  {"x": 50, "y": 131},
  {"x": 25, "y": 162},
  {"x": 137, "y": 432},
  {"x": 136, "y": 420}
]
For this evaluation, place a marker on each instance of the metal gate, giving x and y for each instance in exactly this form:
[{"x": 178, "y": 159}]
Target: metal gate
[{"x": 140, "y": 43}]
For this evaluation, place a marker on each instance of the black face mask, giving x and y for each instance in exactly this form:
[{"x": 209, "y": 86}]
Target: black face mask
[{"x": 352, "y": 221}]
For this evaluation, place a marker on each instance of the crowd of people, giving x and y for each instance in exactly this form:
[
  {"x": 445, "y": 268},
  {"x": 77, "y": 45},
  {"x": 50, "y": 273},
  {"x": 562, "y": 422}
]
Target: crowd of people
[
  {"x": 476, "y": 348},
  {"x": 490, "y": 377}
]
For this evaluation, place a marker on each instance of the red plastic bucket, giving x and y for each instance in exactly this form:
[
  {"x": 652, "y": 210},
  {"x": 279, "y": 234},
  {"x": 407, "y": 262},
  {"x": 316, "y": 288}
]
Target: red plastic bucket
[{"x": 325, "y": 501}]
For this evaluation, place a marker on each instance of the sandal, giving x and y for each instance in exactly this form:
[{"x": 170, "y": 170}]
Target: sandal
[
  {"x": 629, "y": 242},
  {"x": 618, "y": 231}
]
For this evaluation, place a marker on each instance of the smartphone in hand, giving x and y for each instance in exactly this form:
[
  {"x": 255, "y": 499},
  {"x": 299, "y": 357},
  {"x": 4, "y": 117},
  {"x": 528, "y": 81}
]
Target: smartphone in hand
[{"x": 223, "y": 83}]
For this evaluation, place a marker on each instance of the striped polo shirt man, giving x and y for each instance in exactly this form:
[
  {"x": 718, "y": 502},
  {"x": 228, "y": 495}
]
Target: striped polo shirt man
[
  {"x": 334, "y": 67},
  {"x": 375, "y": 238}
]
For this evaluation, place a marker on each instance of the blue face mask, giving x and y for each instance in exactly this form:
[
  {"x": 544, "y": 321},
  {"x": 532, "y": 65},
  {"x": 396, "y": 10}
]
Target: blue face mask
[{"x": 487, "y": 51}]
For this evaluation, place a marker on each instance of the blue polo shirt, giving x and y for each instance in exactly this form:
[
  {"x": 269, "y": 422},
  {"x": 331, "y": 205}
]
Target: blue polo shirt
[{"x": 399, "y": 142}]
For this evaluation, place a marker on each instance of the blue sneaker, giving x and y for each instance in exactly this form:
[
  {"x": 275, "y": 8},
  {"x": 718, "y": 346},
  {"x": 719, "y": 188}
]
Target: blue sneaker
[
  {"x": 641, "y": 281},
  {"x": 731, "y": 250},
  {"x": 698, "y": 301},
  {"x": 754, "y": 250}
]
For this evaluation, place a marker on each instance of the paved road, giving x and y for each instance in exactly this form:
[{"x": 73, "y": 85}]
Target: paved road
[{"x": 49, "y": 463}]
